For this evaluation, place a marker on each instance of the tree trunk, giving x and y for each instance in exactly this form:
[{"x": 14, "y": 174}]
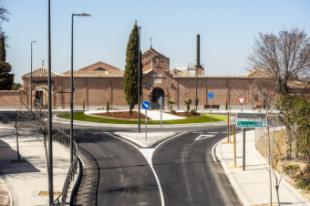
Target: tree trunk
[{"x": 131, "y": 106}]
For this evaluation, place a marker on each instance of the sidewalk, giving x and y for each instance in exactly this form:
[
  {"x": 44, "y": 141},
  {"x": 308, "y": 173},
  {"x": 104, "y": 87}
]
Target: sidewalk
[
  {"x": 27, "y": 180},
  {"x": 252, "y": 185},
  {"x": 5, "y": 196}
]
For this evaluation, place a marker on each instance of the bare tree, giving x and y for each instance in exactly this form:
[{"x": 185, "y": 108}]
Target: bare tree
[{"x": 285, "y": 56}]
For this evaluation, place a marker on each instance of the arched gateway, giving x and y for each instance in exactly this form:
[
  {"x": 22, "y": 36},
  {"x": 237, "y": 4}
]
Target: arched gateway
[{"x": 158, "y": 98}]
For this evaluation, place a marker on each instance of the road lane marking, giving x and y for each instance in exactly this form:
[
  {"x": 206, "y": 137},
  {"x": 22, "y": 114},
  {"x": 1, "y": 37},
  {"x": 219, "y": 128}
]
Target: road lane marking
[
  {"x": 147, "y": 154},
  {"x": 197, "y": 132},
  {"x": 213, "y": 152},
  {"x": 204, "y": 136}
]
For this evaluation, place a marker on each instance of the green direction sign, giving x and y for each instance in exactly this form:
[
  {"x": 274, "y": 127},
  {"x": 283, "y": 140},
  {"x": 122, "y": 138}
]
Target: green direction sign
[{"x": 251, "y": 123}]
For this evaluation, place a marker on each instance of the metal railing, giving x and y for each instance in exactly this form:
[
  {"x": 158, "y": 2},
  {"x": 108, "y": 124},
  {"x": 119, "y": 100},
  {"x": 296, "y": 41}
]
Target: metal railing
[{"x": 38, "y": 119}]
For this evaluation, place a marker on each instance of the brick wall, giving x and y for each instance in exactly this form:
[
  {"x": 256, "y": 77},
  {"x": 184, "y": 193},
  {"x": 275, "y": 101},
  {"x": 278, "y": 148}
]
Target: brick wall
[{"x": 9, "y": 99}]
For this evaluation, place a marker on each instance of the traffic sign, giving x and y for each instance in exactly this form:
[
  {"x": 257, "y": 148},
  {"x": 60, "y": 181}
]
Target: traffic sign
[
  {"x": 146, "y": 105},
  {"x": 211, "y": 95},
  {"x": 251, "y": 120},
  {"x": 241, "y": 100},
  {"x": 244, "y": 123}
]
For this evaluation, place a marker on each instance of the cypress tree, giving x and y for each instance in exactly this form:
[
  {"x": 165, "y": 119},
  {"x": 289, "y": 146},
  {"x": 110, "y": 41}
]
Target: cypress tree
[
  {"x": 131, "y": 69},
  {"x": 6, "y": 79},
  {"x": 2, "y": 48}
]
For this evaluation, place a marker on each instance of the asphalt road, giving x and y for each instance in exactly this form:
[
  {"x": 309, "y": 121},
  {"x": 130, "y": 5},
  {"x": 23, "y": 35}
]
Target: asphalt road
[
  {"x": 125, "y": 178},
  {"x": 189, "y": 175}
]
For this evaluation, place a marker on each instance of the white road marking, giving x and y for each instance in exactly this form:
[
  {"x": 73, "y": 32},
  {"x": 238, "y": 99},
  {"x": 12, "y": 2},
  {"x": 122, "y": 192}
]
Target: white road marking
[
  {"x": 148, "y": 154},
  {"x": 197, "y": 132},
  {"x": 203, "y": 136},
  {"x": 214, "y": 132},
  {"x": 213, "y": 151}
]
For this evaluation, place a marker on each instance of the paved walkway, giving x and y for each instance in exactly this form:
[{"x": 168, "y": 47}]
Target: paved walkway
[
  {"x": 252, "y": 185},
  {"x": 5, "y": 196},
  {"x": 27, "y": 180},
  {"x": 155, "y": 115}
]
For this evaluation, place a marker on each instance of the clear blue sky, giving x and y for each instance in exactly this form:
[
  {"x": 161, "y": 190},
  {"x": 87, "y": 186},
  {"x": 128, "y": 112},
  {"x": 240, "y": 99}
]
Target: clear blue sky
[{"x": 228, "y": 30}]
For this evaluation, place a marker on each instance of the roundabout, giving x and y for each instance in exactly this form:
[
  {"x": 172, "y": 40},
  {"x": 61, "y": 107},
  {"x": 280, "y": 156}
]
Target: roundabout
[{"x": 124, "y": 118}]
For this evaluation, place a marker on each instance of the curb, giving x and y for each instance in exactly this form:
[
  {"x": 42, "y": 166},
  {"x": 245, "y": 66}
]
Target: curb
[
  {"x": 86, "y": 123},
  {"x": 234, "y": 184}
]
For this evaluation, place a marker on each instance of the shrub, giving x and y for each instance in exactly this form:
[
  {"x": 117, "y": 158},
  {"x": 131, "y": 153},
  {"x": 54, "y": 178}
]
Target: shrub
[
  {"x": 291, "y": 170},
  {"x": 188, "y": 103},
  {"x": 193, "y": 112},
  {"x": 171, "y": 103}
]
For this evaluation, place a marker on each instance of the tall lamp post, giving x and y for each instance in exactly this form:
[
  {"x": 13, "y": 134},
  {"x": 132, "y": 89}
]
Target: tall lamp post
[
  {"x": 72, "y": 85},
  {"x": 139, "y": 80},
  {"x": 31, "y": 46},
  {"x": 49, "y": 122}
]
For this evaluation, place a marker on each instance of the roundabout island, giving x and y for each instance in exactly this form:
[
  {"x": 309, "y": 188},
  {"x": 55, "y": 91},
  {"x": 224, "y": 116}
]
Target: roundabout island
[{"x": 123, "y": 117}]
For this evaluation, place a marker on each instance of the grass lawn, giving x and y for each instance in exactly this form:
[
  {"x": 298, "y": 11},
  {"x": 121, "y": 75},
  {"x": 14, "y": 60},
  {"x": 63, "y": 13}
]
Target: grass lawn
[{"x": 201, "y": 119}]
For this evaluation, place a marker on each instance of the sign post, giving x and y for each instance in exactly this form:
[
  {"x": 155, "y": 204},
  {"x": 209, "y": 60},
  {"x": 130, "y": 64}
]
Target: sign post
[
  {"x": 235, "y": 146},
  {"x": 248, "y": 120},
  {"x": 161, "y": 111},
  {"x": 146, "y": 106},
  {"x": 243, "y": 149},
  {"x": 211, "y": 96}
]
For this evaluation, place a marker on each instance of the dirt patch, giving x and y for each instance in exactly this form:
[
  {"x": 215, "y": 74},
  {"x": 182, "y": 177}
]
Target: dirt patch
[
  {"x": 121, "y": 115},
  {"x": 295, "y": 171},
  {"x": 185, "y": 114}
]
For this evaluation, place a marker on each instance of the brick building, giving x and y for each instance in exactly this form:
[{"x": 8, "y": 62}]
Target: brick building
[{"x": 100, "y": 84}]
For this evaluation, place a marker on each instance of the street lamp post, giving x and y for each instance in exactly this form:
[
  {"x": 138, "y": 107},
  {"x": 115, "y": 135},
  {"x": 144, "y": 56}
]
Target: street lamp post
[
  {"x": 72, "y": 83},
  {"x": 49, "y": 122},
  {"x": 139, "y": 80},
  {"x": 31, "y": 45}
]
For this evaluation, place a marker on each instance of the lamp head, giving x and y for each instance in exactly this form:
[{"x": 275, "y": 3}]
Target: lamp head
[{"x": 81, "y": 14}]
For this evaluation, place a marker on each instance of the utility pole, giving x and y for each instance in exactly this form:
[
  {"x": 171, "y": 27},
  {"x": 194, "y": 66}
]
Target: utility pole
[
  {"x": 139, "y": 80},
  {"x": 31, "y": 45},
  {"x": 49, "y": 121}
]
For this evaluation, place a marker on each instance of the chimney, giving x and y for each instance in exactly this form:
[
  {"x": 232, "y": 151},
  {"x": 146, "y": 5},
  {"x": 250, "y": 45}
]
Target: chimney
[{"x": 198, "y": 50}]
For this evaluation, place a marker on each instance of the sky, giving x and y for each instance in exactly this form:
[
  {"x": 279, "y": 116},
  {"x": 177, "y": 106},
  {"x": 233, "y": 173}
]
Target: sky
[{"x": 228, "y": 30}]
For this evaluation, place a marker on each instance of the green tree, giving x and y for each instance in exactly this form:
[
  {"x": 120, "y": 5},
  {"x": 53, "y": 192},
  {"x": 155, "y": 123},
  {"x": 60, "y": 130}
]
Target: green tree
[
  {"x": 302, "y": 115},
  {"x": 131, "y": 69},
  {"x": 6, "y": 79},
  {"x": 295, "y": 112}
]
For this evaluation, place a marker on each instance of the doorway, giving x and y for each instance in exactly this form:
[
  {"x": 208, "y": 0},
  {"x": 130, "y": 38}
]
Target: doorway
[{"x": 158, "y": 98}]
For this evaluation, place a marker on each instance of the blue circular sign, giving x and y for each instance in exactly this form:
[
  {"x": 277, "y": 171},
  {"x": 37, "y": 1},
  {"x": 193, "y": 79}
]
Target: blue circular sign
[
  {"x": 211, "y": 95},
  {"x": 145, "y": 105}
]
